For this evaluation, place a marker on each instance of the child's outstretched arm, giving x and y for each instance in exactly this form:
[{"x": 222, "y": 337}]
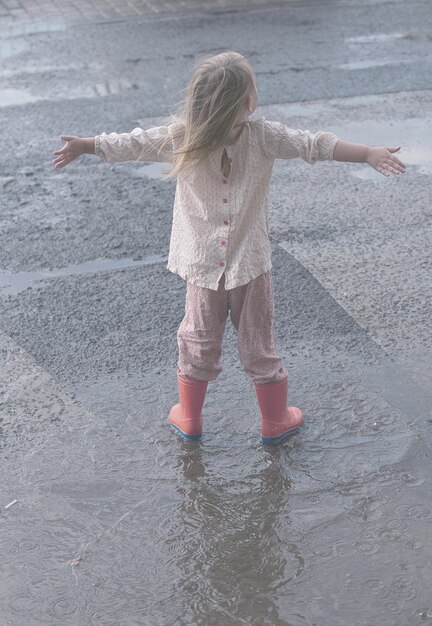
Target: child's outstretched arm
[
  {"x": 380, "y": 158},
  {"x": 154, "y": 144},
  {"x": 74, "y": 147}
]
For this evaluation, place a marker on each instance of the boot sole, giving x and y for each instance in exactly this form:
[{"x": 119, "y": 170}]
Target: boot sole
[
  {"x": 184, "y": 435},
  {"x": 280, "y": 437}
]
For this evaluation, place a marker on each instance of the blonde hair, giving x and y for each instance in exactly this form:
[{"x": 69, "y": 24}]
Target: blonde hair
[{"x": 216, "y": 93}]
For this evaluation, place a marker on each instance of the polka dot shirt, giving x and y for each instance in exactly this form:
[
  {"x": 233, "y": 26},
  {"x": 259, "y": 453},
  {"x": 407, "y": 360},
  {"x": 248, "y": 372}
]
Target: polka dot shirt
[{"x": 220, "y": 217}]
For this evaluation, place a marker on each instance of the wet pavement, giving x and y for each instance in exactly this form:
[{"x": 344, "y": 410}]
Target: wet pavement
[
  {"x": 77, "y": 11},
  {"x": 11, "y": 283},
  {"x": 107, "y": 516}
]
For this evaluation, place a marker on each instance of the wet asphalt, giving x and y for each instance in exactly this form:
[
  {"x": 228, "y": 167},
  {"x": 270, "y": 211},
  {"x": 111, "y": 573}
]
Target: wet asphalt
[{"x": 118, "y": 521}]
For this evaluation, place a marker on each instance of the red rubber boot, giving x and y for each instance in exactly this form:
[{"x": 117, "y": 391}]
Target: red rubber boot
[
  {"x": 185, "y": 418},
  {"x": 278, "y": 420}
]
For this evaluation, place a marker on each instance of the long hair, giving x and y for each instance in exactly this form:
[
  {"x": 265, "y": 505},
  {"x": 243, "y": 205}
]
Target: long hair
[{"x": 215, "y": 96}]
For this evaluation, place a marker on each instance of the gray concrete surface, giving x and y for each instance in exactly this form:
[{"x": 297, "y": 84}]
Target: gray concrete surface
[{"x": 116, "y": 520}]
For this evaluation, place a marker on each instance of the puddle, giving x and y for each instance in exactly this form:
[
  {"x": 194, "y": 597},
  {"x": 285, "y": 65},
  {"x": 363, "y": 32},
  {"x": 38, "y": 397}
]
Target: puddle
[
  {"x": 113, "y": 86},
  {"x": 13, "y": 283},
  {"x": 383, "y": 37},
  {"x": 29, "y": 69},
  {"x": 419, "y": 365},
  {"x": 417, "y": 37},
  {"x": 316, "y": 107},
  {"x": 15, "y": 30},
  {"x": 11, "y": 47},
  {"x": 341, "y": 510},
  {"x": 364, "y": 65},
  {"x": 377, "y": 38},
  {"x": 355, "y": 101},
  {"x": 414, "y": 135},
  {"x": 152, "y": 170},
  {"x": 10, "y": 97},
  {"x": 367, "y": 173},
  {"x": 300, "y": 109}
]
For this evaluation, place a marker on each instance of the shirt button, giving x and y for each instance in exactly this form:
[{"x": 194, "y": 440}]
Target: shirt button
[
  {"x": 225, "y": 181},
  {"x": 222, "y": 263},
  {"x": 223, "y": 242},
  {"x": 225, "y": 200},
  {"x": 226, "y": 222}
]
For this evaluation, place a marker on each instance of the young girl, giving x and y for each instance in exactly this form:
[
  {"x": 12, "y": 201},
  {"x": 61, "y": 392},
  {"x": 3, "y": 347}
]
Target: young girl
[{"x": 220, "y": 245}]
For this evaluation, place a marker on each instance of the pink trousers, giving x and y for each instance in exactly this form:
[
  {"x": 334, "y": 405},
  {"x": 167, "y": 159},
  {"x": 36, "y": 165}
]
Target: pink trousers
[{"x": 200, "y": 335}]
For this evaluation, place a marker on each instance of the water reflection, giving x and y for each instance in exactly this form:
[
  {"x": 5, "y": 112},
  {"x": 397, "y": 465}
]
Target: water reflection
[
  {"x": 229, "y": 541},
  {"x": 110, "y": 87}
]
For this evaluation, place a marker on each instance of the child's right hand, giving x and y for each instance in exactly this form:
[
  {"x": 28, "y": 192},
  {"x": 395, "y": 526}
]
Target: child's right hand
[
  {"x": 74, "y": 147},
  {"x": 383, "y": 160}
]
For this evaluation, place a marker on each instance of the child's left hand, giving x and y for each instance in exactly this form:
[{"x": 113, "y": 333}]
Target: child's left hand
[{"x": 382, "y": 160}]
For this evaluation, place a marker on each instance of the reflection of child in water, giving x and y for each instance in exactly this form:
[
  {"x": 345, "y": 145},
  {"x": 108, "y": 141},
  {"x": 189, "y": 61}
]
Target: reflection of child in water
[{"x": 220, "y": 240}]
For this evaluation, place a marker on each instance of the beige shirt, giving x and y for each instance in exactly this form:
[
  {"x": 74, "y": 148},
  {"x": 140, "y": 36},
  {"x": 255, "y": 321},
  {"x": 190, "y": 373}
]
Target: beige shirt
[{"x": 220, "y": 223}]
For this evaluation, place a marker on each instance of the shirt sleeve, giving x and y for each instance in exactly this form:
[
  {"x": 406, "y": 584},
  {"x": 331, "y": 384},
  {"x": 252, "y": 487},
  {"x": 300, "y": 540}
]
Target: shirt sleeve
[
  {"x": 282, "y": 142},
  {"x": 154, "y": 144}
]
